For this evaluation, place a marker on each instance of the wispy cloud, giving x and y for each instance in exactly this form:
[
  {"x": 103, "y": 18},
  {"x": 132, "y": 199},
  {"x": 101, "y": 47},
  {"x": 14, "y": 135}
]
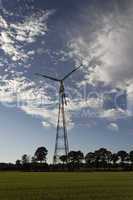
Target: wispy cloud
[
  {"x": 113, "y": 127},
  {"x": 15, "y": 37},
  {"x": 16, "y": 90}
]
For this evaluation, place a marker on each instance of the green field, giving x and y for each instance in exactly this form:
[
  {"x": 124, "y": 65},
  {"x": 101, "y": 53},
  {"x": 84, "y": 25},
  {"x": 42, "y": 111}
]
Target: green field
[{"x": 66, "y": 186}]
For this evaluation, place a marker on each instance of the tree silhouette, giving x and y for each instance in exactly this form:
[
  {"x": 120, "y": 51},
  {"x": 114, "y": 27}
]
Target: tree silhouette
[
  {"x": 90, "y": 159},
  {"x": 103, "y": 157},
  {"x": 123, "y": 155},
  {"x": 25, "y": 159},
  {"x": 114, "y": 158},
  {"x": 33, "y": 159},
  {"x": 40, "y": 154},
  {"x": 18, "y": 163},
  {"x": 75, "y": 158},
  {"x": 63, "y": 159},
  {"x": 131, "y": 157},
  {"x": 108, "y": 156}
]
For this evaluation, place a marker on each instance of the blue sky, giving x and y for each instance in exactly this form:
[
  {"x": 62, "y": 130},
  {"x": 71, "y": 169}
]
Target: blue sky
[{"x": 54, "y": 37}]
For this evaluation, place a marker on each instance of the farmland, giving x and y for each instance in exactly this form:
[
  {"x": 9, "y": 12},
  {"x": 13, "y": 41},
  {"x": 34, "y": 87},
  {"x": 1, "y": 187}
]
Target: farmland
[{"x": 66, "y": 186}]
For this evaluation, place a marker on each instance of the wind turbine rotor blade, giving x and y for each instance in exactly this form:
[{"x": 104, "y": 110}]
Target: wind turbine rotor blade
[
  {"x": 71, "y": 73},
  {"x": 49, "y": 77}
]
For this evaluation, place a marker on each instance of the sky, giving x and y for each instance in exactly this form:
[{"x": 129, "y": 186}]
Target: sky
[{"x": 53, "y": 38}]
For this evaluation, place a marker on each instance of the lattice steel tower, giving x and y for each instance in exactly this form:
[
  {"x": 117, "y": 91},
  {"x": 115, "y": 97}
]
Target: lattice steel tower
[{"x": 61, "y": 144}]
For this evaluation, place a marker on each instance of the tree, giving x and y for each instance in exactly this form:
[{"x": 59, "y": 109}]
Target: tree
[
  {"x": 123, "y": 155},
  {"x": 131, "y": 157},
  {"x": 25, "y": 159},
  {"x": 90, "y": 158},
  {"x": 108, "y": 156},
  {"x": 114, "y": 158},
  {"x": 18, "y": 163},
  {"x": 33, "y": 160},
  {"x": 75, "y": 157},
  {"x": 103, "y": 157},
  {"x": 63, "y": 158},
  {"x": 41, "y": 154}
]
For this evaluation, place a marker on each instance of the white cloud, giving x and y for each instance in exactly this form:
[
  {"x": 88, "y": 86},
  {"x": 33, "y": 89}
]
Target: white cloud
[
  {"x": 114, "y": 114},
  {"x": 106, "y": 50},
  {"x": 94, "y": 103},
  {"x": 45, "y": 124},
  {"x": 15, "y": 88},
  {"x": 32, "y": 27},
  {"x": 15, "y": 36},
  {"x": 130, "y": 98},
  {"x": 49, "y": 115},
  {"x": 25, "y": 95},
  {"x": 22, "y": 93},
  {"x": 3, "y": 23},
  {"x": 104, "y": 57},
  {"x": 113, "y": 127}
]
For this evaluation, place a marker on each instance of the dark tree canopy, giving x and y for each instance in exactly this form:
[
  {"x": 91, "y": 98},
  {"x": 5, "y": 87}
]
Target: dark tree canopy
[
  {"x": 123, "y": 155},
  {"x": 90, "y": 158},
  {"x": 25, "y": 159},
  {"x": 41, "y": 153},
  {"x": 114, "y": 158},
  {"x": 63, "y": 158},
  {"x": 131, "y": 156},
  {"x": 75, "y": 156}
]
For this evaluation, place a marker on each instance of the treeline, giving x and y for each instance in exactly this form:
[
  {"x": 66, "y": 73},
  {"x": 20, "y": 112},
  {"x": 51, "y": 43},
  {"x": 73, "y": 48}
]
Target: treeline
[{"x": 101, "y": 159}]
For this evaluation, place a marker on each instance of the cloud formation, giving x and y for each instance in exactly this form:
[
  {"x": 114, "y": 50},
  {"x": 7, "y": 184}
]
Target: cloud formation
[
  {"x": 103, "y": 46},
  {"x": 15, "y": 37},
  {"x": 113, "y": 127},
  {"x": 106, "y": 50},
  {"x": 16, "y": 90}
]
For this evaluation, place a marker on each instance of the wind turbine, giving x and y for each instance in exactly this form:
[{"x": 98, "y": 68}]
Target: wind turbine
[{"x": 61, "y": 144}]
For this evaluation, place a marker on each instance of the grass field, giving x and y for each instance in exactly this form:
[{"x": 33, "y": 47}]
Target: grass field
[{"x": 66, "y": 186}]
